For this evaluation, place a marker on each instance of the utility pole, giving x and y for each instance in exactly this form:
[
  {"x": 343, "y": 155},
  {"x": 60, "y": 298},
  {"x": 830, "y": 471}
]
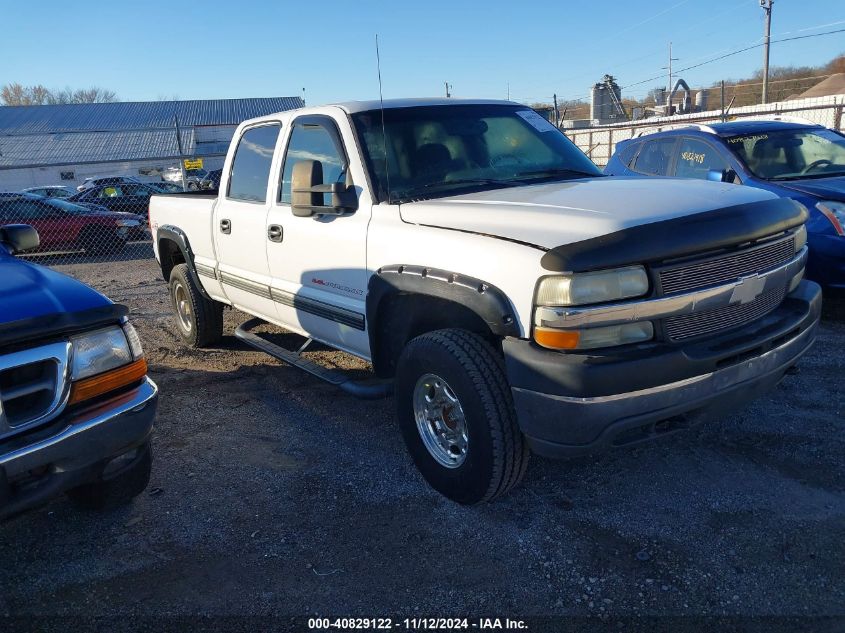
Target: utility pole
[
  {"x": 669, "y": 87},
  {"x": 557, "y": 116},
  {"x": 448, "y": 94},
  {"x": 509, "y": 91},
  {"x": 181, "y": 153},
  {"x": 767, "y": 7}
]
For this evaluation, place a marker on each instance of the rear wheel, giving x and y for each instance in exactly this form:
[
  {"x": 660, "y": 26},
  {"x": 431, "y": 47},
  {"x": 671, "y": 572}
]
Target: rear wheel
[
  {"x": 457, "y": 418},
  {"x": 199, "y": 320}
]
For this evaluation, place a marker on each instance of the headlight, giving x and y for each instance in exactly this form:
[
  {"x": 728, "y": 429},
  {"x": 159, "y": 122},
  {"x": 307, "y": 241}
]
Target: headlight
[
  {"x": 593, "y": 338},
  {"x": 99, "y": 351},
  {"x": 800, "y": 238},
  {"x": 105, "y": 360},
  {"x": 596, "y": 287},
  {"x": 835, "y": 212}
]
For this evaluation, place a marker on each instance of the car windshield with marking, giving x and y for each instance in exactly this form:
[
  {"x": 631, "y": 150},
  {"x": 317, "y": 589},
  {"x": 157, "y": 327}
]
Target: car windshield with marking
[
  {"x": 791, "y": 154},
  {"x": 436, "y": 151}
]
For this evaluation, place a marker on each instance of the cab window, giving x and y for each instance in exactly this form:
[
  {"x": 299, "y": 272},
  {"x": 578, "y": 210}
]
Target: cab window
[
  {"x": 655, "y": 157},
  {"x": 695, "y": 159},
  {"x": 314, "y": 140},
  {"x": 251, "y": 165}
]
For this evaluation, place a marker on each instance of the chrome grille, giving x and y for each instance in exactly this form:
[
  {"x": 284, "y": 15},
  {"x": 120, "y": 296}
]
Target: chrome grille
[
  {"x": 32, "y": 386},
  {"x": 724, "y": 268},
  {"x": 687, "y": 326}
]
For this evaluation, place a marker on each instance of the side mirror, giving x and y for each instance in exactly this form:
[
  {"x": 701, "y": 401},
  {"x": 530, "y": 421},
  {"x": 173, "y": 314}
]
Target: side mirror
[
  {"x": 307, "y": 191},
  {"x": 19, "y": 238},
  {"x": 722, "y": 175}
]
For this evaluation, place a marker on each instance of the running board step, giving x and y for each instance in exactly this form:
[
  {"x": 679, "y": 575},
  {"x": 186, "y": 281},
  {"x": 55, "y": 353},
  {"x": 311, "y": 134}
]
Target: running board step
[{"x": 365, "y": 390}]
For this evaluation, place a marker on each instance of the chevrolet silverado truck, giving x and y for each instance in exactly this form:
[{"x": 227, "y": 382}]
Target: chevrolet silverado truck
[
  {"x": 513, "y": 297},
  {"x": 76, "y": 406}
]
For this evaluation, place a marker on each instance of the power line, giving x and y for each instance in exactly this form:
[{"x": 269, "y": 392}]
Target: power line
[{"x": 737, "y": 52}]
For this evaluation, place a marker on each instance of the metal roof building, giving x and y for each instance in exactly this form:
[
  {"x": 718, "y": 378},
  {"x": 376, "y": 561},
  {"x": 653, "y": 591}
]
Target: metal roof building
[{"x": 47, "y": 144}]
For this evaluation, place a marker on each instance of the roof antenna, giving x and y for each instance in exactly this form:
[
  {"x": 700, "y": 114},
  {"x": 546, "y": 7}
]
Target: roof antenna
[{"x": 383, "y": 131}]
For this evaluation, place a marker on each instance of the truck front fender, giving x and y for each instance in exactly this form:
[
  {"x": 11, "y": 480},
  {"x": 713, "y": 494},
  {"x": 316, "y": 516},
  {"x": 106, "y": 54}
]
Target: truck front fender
[{"x": 448, "y": 299}]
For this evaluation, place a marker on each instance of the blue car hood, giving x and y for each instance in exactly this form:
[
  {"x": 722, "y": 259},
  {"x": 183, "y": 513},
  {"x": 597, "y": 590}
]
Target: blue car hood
[
  {"x": 832, "y": 188},
  {"x": 36, "y": 302}
]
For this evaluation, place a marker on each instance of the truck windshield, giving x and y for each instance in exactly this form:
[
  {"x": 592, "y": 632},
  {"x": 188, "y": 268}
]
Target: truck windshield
[
  {"x": 435, "y": 151},
  {"x": 791, "y": 154}
]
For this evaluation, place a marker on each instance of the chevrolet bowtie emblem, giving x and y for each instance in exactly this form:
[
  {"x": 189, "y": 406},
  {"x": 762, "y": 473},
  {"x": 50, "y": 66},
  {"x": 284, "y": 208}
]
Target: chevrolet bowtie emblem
[{"x": 748, "y": 289}]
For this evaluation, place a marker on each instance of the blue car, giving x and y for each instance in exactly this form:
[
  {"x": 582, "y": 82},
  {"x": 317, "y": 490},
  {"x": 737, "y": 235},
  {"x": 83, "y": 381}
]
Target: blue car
[
  {"x": 76, "y": 406},
  {"x": 793, "y": 160}
]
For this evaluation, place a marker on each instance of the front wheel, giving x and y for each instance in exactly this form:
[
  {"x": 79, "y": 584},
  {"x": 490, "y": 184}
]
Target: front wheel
[{"x": 457, "y": 417}]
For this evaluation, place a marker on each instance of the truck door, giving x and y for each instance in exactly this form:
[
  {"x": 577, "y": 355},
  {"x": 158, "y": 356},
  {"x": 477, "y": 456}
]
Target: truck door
[
  {"x": 239, "y": 222},
  {"x": 318, "y": 263}
]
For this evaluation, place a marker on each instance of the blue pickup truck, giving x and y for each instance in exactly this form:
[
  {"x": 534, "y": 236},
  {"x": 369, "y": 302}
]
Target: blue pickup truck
[{"x": 76, "y": 405}]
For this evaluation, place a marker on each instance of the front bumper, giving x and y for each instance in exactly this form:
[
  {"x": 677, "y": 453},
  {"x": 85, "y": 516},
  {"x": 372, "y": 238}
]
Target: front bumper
[
  {"x": 34, "y": 469},
  {"x": 571, "y": 404}
]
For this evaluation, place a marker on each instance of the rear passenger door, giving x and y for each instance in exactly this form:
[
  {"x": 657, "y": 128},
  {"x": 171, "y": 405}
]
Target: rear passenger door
[
  {"x": 697, "y": 158},
  {"x": 655, "y": 157},
  {"x": 239, "y": 222}
]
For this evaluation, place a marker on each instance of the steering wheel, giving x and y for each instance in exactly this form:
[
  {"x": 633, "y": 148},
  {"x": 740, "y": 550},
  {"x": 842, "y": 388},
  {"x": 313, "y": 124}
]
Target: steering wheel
[{"x": 816, "y": 163}]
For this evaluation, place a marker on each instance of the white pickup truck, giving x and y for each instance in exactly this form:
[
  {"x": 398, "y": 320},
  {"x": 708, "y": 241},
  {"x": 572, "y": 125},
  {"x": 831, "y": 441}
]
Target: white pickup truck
[{"x": 514, "y": 298}]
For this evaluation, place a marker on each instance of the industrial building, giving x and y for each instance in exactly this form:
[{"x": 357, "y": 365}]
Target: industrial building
[{"x": 65, "y": 144}]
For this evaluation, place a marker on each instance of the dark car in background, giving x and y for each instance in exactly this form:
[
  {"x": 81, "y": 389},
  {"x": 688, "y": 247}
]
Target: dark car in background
[
  {"x": 51, "y": 191},
  {"x": 167, "y": 187},
  {"x": 792, "y": 159},
  {"x": 133, "y": 197},
  {"x": 214, "y": 178},
  {"x": 63, "y": 225},
  {"x": 105, "y": 180}
]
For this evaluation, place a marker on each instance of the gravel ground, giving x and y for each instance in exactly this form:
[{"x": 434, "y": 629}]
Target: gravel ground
[{"x": 274, "y": 493}]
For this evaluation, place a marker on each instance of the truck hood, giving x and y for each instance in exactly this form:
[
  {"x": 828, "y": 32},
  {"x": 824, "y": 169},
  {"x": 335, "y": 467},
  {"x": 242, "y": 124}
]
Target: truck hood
[
  {"x": 39, "y": 302},
  {"x": 547, "y": 215},
  {"x": 832, "y": 188}
]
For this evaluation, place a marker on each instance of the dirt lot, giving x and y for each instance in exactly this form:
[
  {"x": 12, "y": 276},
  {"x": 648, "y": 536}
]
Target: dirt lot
[{"x": 273, "y": 493}]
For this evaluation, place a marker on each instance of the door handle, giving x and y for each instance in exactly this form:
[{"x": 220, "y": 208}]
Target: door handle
[
  {"x": 275, "y": 233},
  {"x": 225, "y": 226}
]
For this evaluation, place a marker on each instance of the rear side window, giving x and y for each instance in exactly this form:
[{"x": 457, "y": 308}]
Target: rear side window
[
  {"x": 655, "y": 157},
  {"x": 251, "y": 166},
  {"x": 626, "y": 154},
  {"x": 697, "y": 158}
]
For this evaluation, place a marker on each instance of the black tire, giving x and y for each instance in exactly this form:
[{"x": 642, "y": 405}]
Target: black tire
[
  {"x": 98, "y": 240},
  {"x": 116, "y": 488},
  {"x": 496, "y": 452},
  {"x": 204, "y": 323}
]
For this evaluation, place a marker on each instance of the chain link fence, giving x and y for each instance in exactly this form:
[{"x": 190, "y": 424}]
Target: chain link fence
[
  {"x": 83, "y": 175},
  {"x": 105, "y": 218}
]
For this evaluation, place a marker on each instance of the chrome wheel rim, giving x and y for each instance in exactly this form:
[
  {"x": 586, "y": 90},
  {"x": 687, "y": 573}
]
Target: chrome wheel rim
[
  {"x": 440, "y": 419},
  {"x": 183, "y": 306}
]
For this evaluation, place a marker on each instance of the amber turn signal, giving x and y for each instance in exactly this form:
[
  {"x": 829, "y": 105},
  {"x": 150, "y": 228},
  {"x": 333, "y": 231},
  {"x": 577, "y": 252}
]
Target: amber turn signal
[
  {"x": 107, "y": 381},
  {"x": 556, "y": 339}
]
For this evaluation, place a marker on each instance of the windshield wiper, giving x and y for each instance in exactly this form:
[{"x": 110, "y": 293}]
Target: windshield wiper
[
  {"x": 462, "y": 181},
  {"x": 470, "y": 181},
  {"x": 557, "y": 172},
  {"x": 829, "y": 174}
]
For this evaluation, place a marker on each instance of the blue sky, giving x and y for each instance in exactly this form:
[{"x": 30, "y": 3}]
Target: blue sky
[{"x": 215, "y": 49}]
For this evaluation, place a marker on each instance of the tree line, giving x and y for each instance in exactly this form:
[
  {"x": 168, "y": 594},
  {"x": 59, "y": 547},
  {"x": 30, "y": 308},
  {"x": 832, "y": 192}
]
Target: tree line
[{"x": 15, "y": 94}]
